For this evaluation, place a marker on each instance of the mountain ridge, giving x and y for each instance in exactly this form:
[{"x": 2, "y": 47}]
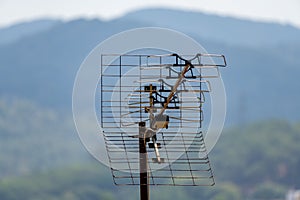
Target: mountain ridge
[
  {"x": 46, "y": 66},
  {"x": 22, "y": 29},
  {"x": 228, "y": 29}
]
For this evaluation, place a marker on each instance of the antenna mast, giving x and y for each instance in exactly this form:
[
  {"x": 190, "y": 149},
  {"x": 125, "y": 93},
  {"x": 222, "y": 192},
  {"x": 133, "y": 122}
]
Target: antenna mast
[{"x": 152, "y": 114}]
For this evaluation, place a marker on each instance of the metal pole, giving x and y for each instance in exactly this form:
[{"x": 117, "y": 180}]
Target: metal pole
[{"x": 144, "y": 186}]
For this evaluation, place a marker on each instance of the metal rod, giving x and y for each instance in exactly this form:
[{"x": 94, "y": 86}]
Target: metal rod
[
  {"x": 180, "y": 78},
  {"x": 144, "y": 186}
]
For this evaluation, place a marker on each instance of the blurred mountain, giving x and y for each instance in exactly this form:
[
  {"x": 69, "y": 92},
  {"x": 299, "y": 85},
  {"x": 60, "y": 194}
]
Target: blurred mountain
[
  {"x": 261, "y": 78},
  {"x": 43, "y": 66},
  {"x": 226, "y": 30},
  {"x": 17, "y": 31}
]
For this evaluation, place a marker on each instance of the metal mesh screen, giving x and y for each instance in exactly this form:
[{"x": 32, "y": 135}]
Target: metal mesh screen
[{"x": 166, "y": 93}]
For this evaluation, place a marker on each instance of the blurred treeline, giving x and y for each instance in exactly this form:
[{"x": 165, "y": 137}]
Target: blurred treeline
[{"x": 41, "y": 158}]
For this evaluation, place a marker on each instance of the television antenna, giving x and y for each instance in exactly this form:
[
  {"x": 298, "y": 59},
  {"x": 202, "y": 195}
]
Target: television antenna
[{"x": 152, "y": 118}]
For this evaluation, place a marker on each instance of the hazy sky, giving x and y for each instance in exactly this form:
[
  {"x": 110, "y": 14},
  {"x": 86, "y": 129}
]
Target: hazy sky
[{"x": 283, "y": 11}]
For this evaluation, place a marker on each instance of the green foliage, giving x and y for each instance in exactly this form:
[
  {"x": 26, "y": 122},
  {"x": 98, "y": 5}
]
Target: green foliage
[
  {"x": 268, "y": 191},
  {"x": 39, "y": 148},
  {"x": 80, "y": 182},
  {"x": 91, "y": 182},
  {"x": 35, "y": 139},
  {"x": 265, "y": 151},
  {"x": 226, "y": 191}
]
